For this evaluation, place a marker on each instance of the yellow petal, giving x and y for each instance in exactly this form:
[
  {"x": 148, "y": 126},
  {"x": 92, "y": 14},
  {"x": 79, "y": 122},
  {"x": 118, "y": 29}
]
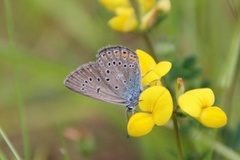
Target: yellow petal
[
  {"x": 146, "y": 5},
  {"x": 164, "y": 6},
  {"x": 162, "y": 68},
  {"x": 148, "y": 19},
  {"x": 127, "y": 11},
  {"x": 124, "y": 21},
  {"x": 158, "y": 101},
  {"x": 114, "y": 4},
  {"x": 193, "y": 101},
  {"x": 152, "y": 72},
  {"x": 140, "y": 124},
  {"x": 163, "y": 108},
  {"x": 149, "y": 77},
  {"x": 213, "y": 117},
  {"x": 147, "y": 63},
  {"x": 149, "y": 97},
  {"x": 155, "y": 83}
]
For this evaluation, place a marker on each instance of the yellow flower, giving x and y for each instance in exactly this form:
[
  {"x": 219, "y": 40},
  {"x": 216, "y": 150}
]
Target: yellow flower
[
  {"x": 164, "y": 6},
  {"x": 150, "y": 71},
  {"x": 125, "y": 19},
  {"x": 146, "y": 5},
  {"x": 114, "y": 4},
  {"x": 198, "y": 104},
  {"x": 157, "y": 106}
]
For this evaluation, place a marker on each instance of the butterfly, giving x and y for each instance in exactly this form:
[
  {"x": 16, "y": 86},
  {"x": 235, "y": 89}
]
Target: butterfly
[{"x": 115, "y": 77}]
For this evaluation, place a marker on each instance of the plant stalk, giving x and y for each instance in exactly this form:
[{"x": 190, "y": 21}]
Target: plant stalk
[
  {"x": 9, "y": 144},
  {"x": 177, "y": 135}
]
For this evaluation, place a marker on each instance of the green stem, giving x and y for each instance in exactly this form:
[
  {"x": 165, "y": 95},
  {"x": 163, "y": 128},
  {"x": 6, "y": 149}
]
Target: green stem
[
  {"x": 149, "y": 44},
  {"x": 63, "y": 143},
  {"x": 229, "y": 72},
  {"x": 231, "y": 76},
  {"x": 210, "y": 142},
  {"x": 9, "y": 144},
  {"x": 135, "y": 5},
  {"x": 22, "y": 113},
  {"x": 9, "y": 22},
  {"x": 12, "y": 50},
  {"x": 179, "y": 148}
]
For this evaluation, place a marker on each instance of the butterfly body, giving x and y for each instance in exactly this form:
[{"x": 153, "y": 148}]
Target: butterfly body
[{"x": 115, "y": 77}]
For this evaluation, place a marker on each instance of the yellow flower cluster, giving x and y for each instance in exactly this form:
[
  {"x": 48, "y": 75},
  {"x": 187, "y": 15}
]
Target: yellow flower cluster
[
  {"x": 198, "y": 104},
  {"x": 156, "y": 103},
  {"x": 150, "y": 71},
  {"x": 127, "y": 19}
]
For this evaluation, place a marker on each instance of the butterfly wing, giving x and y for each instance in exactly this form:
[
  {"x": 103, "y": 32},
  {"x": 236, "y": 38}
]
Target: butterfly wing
[
  {"x": 87, "y": 80},
  {"x": 120, "y": 68}
]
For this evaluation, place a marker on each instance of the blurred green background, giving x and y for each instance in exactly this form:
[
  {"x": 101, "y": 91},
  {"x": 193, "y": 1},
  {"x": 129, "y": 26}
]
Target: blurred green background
[{"x": 42, "y": 41}]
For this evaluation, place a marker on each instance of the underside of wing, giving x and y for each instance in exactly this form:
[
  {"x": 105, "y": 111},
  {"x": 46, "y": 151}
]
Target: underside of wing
[
  {"x": 88, "y": 81},
  {"x": 120, "y": 66}
]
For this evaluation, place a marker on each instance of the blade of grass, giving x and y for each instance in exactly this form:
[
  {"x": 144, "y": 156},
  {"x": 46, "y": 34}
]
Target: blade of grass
[
  {"x": 9, "y": 144},
  {"x": 23, "y": 125},
  {"x": 220, "y": 148},
  {"x": 228, "y": 77},
  {"x": 63, "y": 143},
  {"x": 9, "y": 22},
  {"x": 11, "y": 36}
]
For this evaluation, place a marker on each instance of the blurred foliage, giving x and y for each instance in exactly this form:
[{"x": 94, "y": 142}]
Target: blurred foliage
[{"x": 52, "y": 38}]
